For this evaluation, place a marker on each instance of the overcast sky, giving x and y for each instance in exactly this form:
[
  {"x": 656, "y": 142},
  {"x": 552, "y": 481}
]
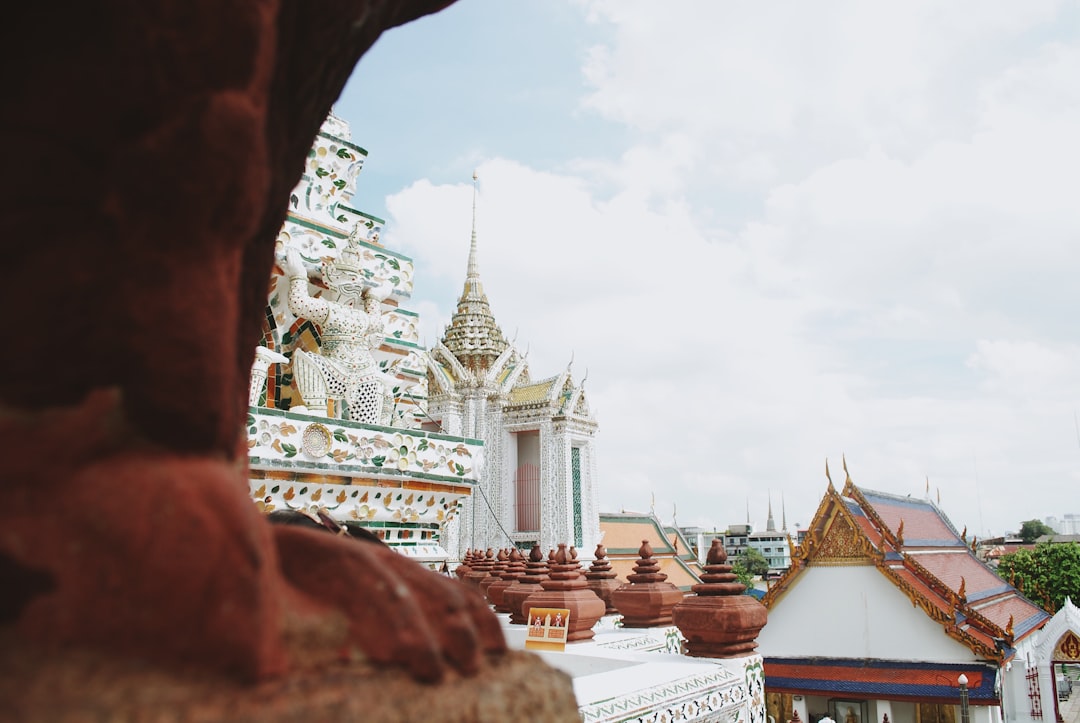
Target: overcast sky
[{"x": 773, "y": 233}]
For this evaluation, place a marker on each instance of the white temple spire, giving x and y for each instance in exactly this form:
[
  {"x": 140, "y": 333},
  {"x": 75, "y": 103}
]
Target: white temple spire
[{"x": 472, "y": 273}]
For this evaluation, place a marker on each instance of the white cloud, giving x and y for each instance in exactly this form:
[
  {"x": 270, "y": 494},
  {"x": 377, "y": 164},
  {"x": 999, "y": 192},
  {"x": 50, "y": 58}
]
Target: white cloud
[{"x": 837, "y": 228}]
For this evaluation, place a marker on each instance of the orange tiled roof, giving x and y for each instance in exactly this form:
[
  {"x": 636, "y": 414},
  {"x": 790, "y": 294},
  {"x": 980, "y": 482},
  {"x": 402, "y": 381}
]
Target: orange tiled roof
[
  {"x": 678, "y": 572},
  {"x": 623, "y": 533}
]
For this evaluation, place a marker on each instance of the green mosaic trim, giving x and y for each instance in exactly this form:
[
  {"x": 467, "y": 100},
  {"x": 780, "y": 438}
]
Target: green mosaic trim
[
  {"x": 358, "y": 212},
  {"x": 342, "y": 470},
  {"x": 328, "y": 230},
  {"x": 344, "y": 142},
  {"x": 405, "y": 312}
]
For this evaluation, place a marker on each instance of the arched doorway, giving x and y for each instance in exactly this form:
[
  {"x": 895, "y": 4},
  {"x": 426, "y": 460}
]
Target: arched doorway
[{"x": 1057, "y": 660}]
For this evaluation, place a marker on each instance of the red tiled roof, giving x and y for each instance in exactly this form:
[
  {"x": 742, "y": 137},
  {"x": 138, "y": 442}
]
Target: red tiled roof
[
  {"x": 923, "y": 523},
  {"x": 952, "y": 565}
]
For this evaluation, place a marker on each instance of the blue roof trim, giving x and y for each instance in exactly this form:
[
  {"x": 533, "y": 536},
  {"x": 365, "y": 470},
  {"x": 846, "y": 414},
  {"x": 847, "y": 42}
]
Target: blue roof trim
[
  {"x": 948, "y": 542},
  {"x": 975, "y": 597},
  {"x": 892, "y": 556},
  {"x": 1025, "y": 626},
  {"x": 853, "y": 507},
  {"x": 888, "y": 499}
]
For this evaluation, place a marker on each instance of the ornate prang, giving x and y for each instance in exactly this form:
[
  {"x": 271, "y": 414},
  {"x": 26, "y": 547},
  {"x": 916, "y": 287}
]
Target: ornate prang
[
  {"x": 536, "y": 571},
  {"x": 566, "y": 588},
  {"x": 719, "y": 621},
  {"x": 602, "y": 580},
  {"x": 647, "y": 599}
]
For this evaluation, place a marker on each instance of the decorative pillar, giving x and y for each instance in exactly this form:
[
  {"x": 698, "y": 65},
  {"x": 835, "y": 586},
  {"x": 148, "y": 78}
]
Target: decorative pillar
[
  {"x": 601, "y": 579},
  {"x": 515, "y": 568},
  {"x": 719, "y": 621},
  {"x": 647, "y": 599},
  {"x": 466, "y": 565},
  {"x": 480, "y": 569},
  {"x": 566, "y": 588},
  {"x": 494, "y": 574},
  {"x": 536, "y": 571}
]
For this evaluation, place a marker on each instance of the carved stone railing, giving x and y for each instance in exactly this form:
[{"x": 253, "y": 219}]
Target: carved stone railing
[
  {"x": 307, "y": 442},
  {"x": 358, "y": 471}
]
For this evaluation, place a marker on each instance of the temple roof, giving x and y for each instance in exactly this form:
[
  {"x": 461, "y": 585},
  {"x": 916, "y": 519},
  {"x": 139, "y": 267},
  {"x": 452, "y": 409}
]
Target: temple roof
[
  {"x": 916, "y": 547},
  {"x": 623, "y": 533},
  {"x": 472, "y": 335},
  {"x": 529, "y": 394}
]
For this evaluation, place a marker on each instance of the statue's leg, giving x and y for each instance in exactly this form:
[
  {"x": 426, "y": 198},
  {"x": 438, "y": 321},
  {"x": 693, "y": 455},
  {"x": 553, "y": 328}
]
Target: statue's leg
[
  {"x": 310, "y": 380},
  {"x": 366, "y": 402}
]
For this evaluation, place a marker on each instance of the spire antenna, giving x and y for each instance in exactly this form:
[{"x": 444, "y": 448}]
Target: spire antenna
[{"x": 473, "y": 272}]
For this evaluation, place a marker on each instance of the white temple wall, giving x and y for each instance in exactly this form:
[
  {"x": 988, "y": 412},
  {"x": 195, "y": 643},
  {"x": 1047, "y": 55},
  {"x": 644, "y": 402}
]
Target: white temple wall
[{"x": 858, "y": 613}]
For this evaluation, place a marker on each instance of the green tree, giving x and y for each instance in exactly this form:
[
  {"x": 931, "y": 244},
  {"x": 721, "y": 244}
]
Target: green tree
[
  {"x": 1031, "y": 530},
  {"x": 741, "y": 574},
  {"x": 753, "y": 562},
  {"x": 1047, "y": 575}
]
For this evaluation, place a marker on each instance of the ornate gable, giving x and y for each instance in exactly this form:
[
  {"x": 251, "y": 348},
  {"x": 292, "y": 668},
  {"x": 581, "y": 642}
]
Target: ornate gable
[{"x": 848, "y": 530}]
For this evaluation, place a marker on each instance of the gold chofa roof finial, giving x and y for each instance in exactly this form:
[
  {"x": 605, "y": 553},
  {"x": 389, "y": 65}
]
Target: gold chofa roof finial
[
  {"x": 827, "y": 475},
  {"x": 847, "y": 475}
]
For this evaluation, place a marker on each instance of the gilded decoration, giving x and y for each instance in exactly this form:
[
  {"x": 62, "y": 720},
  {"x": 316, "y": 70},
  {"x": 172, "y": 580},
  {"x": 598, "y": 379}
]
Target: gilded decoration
[
  {"x": 1068, "y": 648},
  {"x": 842, "y": 544}
]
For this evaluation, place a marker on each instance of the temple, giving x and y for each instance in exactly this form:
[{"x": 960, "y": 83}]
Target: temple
[
  {"x": 885, "y": 611},
  {"x": 334, "y": 422},
  {"x": 537, "y": 485}
]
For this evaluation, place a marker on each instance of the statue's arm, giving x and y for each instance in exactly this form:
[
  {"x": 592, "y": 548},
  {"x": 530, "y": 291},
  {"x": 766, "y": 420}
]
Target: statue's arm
[{"x": 301, "y": 303}]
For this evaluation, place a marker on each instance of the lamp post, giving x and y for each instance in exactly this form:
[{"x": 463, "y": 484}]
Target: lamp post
[{"x": 964, "y": 715}]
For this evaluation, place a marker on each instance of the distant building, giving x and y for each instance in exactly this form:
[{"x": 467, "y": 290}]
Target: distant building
[{"x": 1069, "y": 524}]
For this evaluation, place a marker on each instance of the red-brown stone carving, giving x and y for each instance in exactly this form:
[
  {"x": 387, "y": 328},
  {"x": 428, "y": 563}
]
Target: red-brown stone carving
[
  {"x": 480, "y": 569},
  {"x": 150, "y": 153},
  {"x": 719, "y": 621},
  {"x": 515, "y": 568},
  {"x": 498, "y": 567},
  {"x": 602, "y": 579},
  {"x": 465, "y": 566},
  {"x": 566, "y": 588},
  {"x": 645, "y": 601},
  {"x": 536, "y": 571}
]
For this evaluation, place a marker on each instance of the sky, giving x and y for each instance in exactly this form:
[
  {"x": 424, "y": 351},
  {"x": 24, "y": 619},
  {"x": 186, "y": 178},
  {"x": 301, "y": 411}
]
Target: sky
[{"x": 771, "y": 234}]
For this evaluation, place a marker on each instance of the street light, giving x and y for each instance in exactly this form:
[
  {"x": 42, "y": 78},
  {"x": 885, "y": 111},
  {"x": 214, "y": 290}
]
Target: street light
[{"x": 963, "y": 681}]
